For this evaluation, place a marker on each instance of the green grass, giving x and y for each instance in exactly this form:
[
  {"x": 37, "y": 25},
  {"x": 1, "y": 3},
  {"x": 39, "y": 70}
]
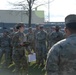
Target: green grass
[{"x": 34, "y": 69}]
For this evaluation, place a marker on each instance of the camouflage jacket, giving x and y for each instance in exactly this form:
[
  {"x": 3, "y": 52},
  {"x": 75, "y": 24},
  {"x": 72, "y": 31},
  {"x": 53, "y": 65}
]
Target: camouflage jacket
[
  {"x": 55, "y": 37},
  {"x": 18, "y": 38},
  {"x": 61, "y": 58},
  {"x": 5, "y": 41},
  {"x": 41, "y": 36},
  {"x": 30, "y": 37}
]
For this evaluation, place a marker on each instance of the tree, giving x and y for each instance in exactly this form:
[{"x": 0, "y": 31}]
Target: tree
[{"x": 28, "y": 6}]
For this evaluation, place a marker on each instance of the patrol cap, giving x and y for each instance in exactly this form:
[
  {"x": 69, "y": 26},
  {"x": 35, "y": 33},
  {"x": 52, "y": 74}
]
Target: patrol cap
[
  {"x": 70, "y": 21},
  {"x": 57, "y": 27},
  {"x": 19, "y": 25}
]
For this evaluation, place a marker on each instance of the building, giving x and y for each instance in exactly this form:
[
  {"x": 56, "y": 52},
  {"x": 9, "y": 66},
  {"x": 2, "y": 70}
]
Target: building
[
  {"x": 8, "y": 18},
  {"x": 16, "y": 16}
]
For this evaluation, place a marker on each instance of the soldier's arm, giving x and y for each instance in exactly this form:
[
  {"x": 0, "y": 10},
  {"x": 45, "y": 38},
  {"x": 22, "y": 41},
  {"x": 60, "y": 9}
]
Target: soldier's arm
[
  {"x": 34, "y": 35},
  {"x": 46, "y": 36},
  {"x": 15, "y": 41},
  {"x": 0, "y": 41},
  {"x": 52, "y": 63},
  {"x": 27, "y": 37},
  {"x": 10, "y": 45}
]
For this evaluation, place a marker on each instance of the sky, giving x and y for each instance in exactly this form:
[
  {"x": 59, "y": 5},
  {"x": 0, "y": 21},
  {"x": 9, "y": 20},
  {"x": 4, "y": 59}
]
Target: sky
[{"x": 58, "y": 9}]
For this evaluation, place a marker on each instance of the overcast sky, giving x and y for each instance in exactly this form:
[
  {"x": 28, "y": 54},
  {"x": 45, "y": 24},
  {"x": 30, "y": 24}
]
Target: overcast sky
[{"x": 58, "y": 8}]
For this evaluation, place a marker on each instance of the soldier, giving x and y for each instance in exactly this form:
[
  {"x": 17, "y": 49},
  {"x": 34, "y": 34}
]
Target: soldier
[
  {"x": 30, "y": 38},
  {"x": 13, "y": 31},
  {"x": 19, "y": 57},
  {"x": 61, "y": 58},
  {"x": 55, "y": 36},
  {"x": 35, "y": 40},
  {"x": 35, "y": 35},
  {"x": 5, "y": 43},
  {"x": 11, "y": 38},
  {"x": 48, "y": 32},
  {"x": 37, "y": 30},
  {"x": 42, "y": 48}
]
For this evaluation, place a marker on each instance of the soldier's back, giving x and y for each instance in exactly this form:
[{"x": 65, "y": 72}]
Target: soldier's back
[
  {"x": 68, "y": 56},
  {"x": 64, "y": 52}
]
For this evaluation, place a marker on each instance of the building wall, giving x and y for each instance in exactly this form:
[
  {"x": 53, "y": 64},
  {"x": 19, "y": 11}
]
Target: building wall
[{"x": 16, "y": 16}]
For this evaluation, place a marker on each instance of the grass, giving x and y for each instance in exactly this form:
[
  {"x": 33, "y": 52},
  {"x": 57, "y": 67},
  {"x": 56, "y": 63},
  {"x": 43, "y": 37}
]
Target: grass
[{"x": 34, "y": 69}]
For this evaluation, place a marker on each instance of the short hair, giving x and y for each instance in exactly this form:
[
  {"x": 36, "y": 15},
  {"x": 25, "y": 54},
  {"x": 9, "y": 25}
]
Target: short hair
[{"x": 19, "y": 25}]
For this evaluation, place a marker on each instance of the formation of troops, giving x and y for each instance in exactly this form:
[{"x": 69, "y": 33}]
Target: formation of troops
[{"x": 40, "y": 39}]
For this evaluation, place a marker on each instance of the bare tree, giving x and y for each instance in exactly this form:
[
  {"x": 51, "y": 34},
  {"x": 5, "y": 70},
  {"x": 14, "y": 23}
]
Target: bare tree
[{"x": 28, "y": 6}]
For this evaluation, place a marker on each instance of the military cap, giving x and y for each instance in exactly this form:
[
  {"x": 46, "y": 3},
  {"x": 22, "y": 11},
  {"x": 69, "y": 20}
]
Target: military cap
[
  {"x": 57, "y": 27},
  {"x": 19, "y": 25},
  {"x": 70, "y": 21}
]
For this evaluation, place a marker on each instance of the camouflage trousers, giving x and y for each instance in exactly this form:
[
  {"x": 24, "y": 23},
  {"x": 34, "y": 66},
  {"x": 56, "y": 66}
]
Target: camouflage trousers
[
  {"x": 41, "y": 53},
  {"x": 20, "y": 61},
  {"x": 7, "y": 52}
]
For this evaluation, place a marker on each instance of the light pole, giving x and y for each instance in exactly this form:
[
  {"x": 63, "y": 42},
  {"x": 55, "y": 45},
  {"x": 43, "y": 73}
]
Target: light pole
[{"x": 48, "y": 10}]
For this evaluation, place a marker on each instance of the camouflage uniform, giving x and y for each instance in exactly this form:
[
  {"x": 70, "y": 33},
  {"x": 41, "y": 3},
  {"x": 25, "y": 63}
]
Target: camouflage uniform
[
  {"x": 5, "y": 43},
  {"x": 30, "y": 38},
  {"x": 41, "y": 46},
  {"x": 11, "y": 35},
  {"x": 35, "y": 37},
  {"x": 49, "y": 31},
  {"x": 36, "y": 44},
  {"x": 61, "y": 59},
  {"x": 19, "y": 52},
  {"x": 54, "y": 37}
]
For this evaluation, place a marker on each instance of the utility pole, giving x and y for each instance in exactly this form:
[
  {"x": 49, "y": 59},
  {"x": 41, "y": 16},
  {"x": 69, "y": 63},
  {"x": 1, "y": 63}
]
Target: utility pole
[
  {"x": 30, "y": 12},
  {"x": 48, "y": 10}
]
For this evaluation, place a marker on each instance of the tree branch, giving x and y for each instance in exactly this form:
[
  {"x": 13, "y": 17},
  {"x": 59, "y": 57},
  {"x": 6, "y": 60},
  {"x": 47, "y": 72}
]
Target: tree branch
[
  {"x": 43, "y": 4},
  {"x": 28, "y": 1}
]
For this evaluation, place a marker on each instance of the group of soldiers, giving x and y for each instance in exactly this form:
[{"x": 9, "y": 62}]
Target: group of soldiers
[{"x": 14, "y": 47}]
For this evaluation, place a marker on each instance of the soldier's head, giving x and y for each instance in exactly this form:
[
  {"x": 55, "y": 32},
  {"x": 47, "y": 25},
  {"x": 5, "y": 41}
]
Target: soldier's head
[
  {"x": 30, "y": 29},
  {"x": 37, "y": 26},
  {"x": 70, "y": 22},
  {"x": 5, "y": 32},
  {"x": 41, "y": 27},
  {"x": 57, "y": 28},
  {"x": 53, "y": 28},
  {"x": 20, "y": 27}
]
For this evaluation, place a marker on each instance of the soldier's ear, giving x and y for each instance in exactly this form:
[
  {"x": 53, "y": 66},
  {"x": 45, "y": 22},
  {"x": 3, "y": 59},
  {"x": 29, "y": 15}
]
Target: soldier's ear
[{"x": 67, "y": 32}]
